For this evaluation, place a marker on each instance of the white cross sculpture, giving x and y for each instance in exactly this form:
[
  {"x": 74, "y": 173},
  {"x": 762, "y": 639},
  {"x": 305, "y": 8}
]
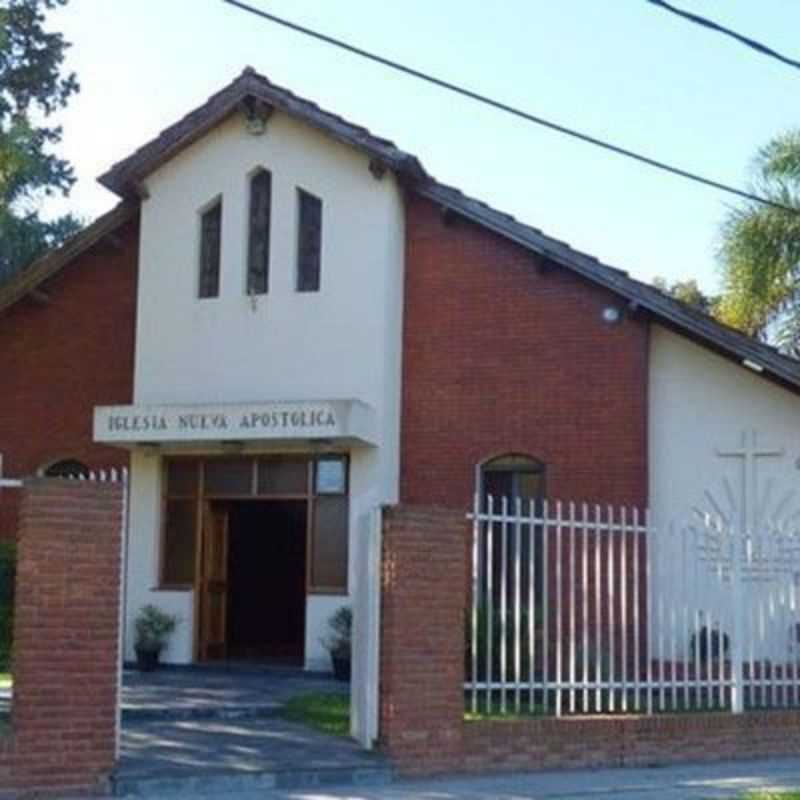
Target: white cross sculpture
[
  {"x": 748, "y": 532},
  {"x": 750, "y": 453}
]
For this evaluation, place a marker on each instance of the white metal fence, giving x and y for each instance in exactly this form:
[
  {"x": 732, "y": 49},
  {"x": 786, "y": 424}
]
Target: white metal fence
[{"x": 579, "y": 609}]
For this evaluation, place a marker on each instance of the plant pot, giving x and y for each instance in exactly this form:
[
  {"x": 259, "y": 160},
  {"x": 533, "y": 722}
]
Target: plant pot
[
  {"x": 147, "y": 660},
  {"x": 341, "y": 667}
]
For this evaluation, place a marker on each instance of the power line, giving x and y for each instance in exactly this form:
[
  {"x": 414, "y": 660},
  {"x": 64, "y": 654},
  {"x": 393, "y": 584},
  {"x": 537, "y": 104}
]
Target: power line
[
  {"x": 739, "y": 37},
  {"x": 554, "y": 126}
]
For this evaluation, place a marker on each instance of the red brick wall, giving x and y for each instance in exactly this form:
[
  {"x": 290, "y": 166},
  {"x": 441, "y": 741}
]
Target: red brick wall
[
  {"x": 63, "y": 731},
  {"x": 58, "y": 361},
  {"x": 499, "y": 357},
  {"x": 422, "y": 639}
]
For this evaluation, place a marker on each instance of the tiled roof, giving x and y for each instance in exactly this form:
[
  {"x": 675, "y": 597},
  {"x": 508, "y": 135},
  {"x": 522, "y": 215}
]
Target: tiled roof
[{"x": 27, "y": 280}]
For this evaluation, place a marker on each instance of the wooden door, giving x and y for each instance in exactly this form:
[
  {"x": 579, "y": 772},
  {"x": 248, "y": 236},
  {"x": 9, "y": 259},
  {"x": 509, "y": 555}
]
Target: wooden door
[{"x": 214, "y": 583}]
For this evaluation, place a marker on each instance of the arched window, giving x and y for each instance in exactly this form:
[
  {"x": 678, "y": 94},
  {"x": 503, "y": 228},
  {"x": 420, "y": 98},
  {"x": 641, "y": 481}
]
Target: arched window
[
  {"x": 513, "y": 476},
  {"x": 67, "y": 468}
]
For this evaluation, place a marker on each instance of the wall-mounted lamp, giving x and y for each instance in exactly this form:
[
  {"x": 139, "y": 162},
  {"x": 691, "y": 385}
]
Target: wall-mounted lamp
[
  {"x": 256, "y": 115},
  {"x": 611, "y": 315},
  {"x": 752, "y": 365}
]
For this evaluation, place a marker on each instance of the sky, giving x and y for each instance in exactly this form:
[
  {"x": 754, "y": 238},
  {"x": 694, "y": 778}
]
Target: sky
[{"x": 623, "y": 70}]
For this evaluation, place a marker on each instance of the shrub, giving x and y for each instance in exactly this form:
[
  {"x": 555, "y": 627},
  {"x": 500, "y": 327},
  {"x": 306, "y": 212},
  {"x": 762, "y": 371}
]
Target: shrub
[
  {"x": 498, "y": 629},
  {"x": 709, "y": 642},
  {"x": 153, "y": 628},
  {"x": 338, "y": 642}
]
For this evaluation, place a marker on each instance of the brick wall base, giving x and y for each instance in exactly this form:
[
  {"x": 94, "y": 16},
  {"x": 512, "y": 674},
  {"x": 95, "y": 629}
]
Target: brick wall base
[
  {"x": 66, "y": 626},
  {"x": 425, "y": 592},
  {"x": 545, "y": 744}
]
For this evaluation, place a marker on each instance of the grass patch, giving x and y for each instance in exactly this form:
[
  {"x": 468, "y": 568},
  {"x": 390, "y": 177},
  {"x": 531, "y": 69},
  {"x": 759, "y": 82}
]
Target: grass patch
[
  {"x": 328, "y": 713},
  {"x": 5, "y": 680},
  {"x": 485, "y": 715},
  {"x": 771, "y": 796}
]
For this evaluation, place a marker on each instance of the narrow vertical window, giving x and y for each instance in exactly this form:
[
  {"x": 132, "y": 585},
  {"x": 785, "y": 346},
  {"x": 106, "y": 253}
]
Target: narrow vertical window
[
  {"x": 309, "y": 242},
  {"x": 258, "y": 243},
  {"x": 210, "y": 246}
]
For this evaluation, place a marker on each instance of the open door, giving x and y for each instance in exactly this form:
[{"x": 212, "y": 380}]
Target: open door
[{"x": 214, "y": 583}]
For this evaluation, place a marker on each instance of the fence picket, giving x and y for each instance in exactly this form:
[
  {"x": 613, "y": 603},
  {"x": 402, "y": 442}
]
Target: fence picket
[
  {"x": 532, "y": 606},
  {"x": 545, "y": 606},
  {"x": 503, "y": 602},
  {"x": 572, "y": 603},
  {"x": 489, "y": 601},
  {"x": 623, "y": 583},
  {"x": 649, "y": 542},
  {"x": 517, "y": 597},
  {"x": 476, "y": 535},
  {"x": 585, "y": 617},
  {"x": 598, "y": 630},
  {"x": 559, "y": 613}
]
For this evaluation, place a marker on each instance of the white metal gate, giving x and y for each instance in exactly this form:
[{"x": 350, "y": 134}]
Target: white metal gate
[
  {"x": 364, "y": 686},
  {"x": 579, "y": 609}
]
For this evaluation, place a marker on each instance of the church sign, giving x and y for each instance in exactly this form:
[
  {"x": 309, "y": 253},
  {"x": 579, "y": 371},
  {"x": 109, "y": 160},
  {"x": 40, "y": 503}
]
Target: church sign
[{"x": 324, "y": 419}]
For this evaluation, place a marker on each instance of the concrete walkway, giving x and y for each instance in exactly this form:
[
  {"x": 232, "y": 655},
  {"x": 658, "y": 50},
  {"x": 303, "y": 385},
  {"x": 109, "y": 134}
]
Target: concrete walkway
[
  {"x": 195, "y": 693},
  {"x": 216, "y": 731},
  {"x": 702, "y": 782},
  {"x": 189, "y": 757}
]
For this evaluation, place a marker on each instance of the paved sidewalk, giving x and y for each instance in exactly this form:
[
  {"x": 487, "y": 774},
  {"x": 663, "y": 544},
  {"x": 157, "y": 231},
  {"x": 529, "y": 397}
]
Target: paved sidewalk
[{"x": 700, "y": 782}]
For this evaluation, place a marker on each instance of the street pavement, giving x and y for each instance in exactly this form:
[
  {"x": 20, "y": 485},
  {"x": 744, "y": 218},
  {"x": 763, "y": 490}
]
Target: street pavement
[{"x": 696, "y": 782}]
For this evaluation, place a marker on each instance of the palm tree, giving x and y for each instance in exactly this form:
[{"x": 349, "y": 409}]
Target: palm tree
[{"x": 760, "y": 251}]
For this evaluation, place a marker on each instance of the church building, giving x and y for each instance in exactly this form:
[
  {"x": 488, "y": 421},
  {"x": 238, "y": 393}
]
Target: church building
[{"x": 287, "y": 323}]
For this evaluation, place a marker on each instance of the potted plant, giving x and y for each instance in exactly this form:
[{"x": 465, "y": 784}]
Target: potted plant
[
  {"x": 338, "y": 642},
  {"x": 153, "y": 629}
]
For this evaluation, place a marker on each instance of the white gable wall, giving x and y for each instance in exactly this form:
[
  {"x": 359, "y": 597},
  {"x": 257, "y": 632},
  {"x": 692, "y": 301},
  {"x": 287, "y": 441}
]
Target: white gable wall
[
  {"x": 341, "y": 342},
  {"x": 700, "y": 404},
  {"x": 295, "y": 344}
]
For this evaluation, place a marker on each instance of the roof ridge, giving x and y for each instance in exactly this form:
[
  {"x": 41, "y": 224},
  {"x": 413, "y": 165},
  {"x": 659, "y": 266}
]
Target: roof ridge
[{"x": 124, "y": 174}]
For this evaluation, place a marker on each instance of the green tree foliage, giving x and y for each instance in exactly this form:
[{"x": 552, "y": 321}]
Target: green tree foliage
[
  {"x": 32, "y": 87},
  {"x": 688, "y": 292},
  {"x": 760, "y": 251}
]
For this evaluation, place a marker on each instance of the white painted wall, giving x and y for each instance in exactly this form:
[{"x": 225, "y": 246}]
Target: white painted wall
[
  {"x": 342, "y": 342},
  {"x": 701, "y": 403},
  {"x": 142, "y": 562}
]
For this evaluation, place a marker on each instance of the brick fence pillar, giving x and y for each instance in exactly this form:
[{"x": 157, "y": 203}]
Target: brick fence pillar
[
  {"x": 424, "y": 584},
  {"x": 66, "y": 640}
]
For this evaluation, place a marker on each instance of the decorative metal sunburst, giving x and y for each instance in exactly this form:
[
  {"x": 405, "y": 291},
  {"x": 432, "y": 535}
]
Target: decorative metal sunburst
[{"x": 754, "y": 529}]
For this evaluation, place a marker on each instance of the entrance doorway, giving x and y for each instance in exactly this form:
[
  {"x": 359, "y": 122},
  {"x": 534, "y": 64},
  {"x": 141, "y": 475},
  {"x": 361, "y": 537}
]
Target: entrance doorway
[
  {"x": 255, "y": 538},
  {"x": 254, "y": 581}
]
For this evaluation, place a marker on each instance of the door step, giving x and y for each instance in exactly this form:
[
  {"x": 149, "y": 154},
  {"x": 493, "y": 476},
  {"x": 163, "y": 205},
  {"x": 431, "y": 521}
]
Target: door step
[
  {"x": 220, "y": 784},
  {"x": 204, "y": 712}
]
